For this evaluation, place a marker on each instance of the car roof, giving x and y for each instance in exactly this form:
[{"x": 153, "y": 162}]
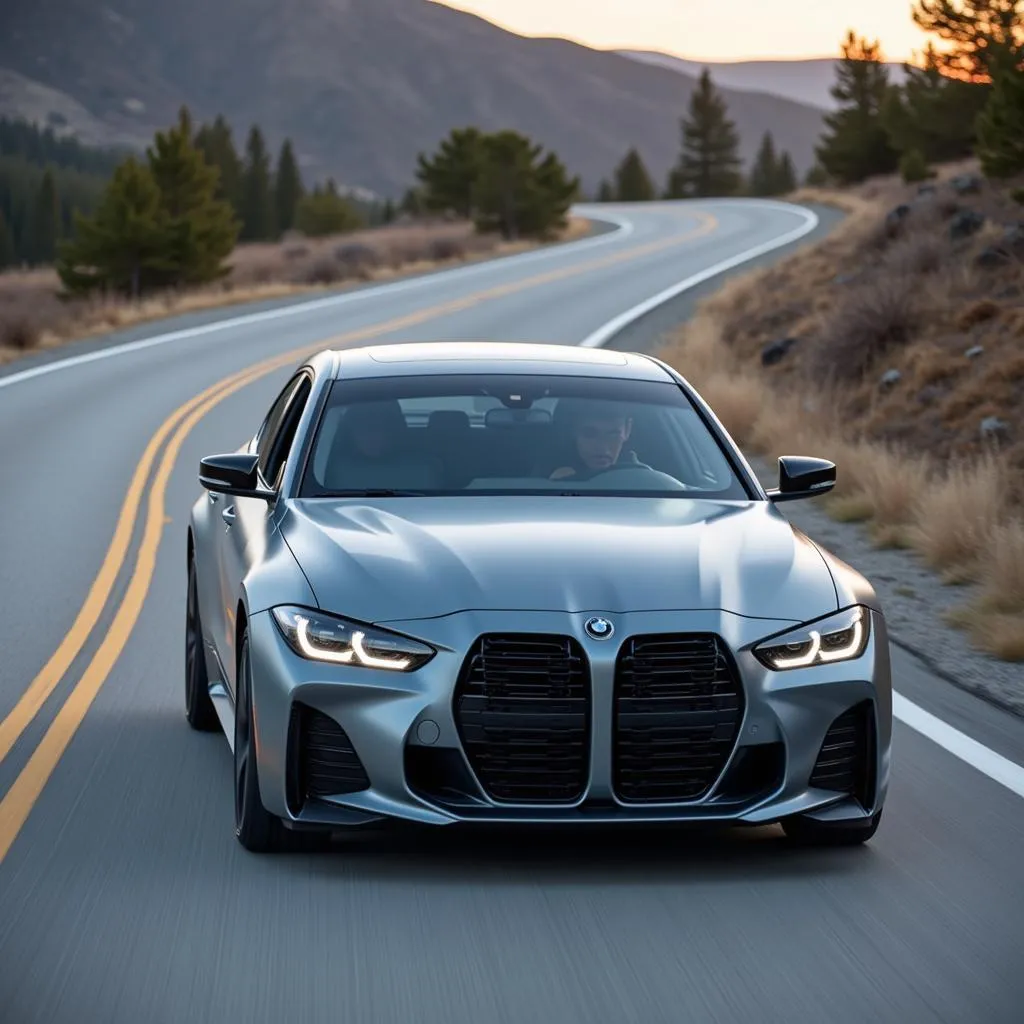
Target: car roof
[{"x": 461, "y": 357}]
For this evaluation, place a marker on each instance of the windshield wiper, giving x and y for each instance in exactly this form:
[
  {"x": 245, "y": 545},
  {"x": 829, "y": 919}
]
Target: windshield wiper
[{"x": 376, "y": 492}]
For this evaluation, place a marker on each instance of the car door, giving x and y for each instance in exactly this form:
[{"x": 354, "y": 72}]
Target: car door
[{"x": 250, "y": 522}]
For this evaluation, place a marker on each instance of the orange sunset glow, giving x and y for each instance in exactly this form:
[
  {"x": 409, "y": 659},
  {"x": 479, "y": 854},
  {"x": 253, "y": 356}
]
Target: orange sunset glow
[{"x": 698, "y": 29}]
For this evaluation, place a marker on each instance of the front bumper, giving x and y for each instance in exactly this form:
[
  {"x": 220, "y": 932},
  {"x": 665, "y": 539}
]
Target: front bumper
[{"x": 404, "y": 728}]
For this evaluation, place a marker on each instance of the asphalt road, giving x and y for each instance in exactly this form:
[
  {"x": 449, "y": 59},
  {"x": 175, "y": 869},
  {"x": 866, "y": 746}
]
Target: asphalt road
[{"x": 124, "y": 896}]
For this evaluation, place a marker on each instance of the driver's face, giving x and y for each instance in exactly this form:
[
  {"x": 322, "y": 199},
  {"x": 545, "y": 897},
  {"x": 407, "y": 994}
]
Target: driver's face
[{"x": 599, "y": 440}]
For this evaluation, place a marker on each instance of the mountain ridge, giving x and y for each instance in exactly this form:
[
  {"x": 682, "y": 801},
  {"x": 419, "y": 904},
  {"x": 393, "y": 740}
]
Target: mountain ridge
[{"x": 361, "y": 86}]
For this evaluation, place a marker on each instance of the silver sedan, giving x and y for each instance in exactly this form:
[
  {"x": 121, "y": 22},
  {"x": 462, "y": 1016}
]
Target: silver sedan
[{"x": 525, "y": 584}]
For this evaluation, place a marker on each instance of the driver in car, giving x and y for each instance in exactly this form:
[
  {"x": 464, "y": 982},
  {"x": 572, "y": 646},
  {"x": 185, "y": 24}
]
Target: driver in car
[{"x": 599, "y": 434}]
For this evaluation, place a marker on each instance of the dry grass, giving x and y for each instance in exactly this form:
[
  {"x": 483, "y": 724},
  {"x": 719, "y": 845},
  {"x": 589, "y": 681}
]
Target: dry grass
[
  {"x": 33, "y": 315},
  {"x": 913, "y": 464}
]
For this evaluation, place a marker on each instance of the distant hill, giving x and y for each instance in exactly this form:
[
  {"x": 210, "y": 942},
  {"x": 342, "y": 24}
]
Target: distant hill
[
  {"x": 360, "y": 85},
  {"x": 805, "y": 81}
]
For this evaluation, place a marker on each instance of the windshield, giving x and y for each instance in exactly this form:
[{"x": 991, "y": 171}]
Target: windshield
[{"x": 515, "y": 434}]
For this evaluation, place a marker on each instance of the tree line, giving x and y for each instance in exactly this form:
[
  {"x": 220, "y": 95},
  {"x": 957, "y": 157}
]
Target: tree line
[{"x": 966, "y": 99}]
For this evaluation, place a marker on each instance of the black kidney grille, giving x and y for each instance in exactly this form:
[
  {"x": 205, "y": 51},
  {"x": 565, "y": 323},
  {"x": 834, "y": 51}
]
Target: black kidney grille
[
  {"x": 678, "y": 708},
  {"x": 522, "y": 707},
  {"x": 322, "y": 760},
  {"x": 843, "y": 762}
]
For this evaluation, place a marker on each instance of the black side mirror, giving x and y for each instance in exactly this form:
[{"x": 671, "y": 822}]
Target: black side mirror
[
  {"x": 233, "y": 474},
  {"x": 802, "y": 477}
]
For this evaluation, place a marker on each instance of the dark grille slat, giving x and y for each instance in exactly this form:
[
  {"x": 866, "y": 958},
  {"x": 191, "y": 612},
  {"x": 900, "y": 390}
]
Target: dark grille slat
[
  {"x": 842, "y": 765},
  {"x": 522, "y": 707},
  {"x": 678, "y": 707},
  {"x": 322, "y": 760}
]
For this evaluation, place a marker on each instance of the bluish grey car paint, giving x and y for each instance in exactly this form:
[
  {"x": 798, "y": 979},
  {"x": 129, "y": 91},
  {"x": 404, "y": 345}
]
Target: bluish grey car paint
[{"x": 737, "y": 569}]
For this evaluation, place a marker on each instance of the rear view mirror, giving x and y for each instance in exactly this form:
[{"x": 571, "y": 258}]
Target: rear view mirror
[
  {"x": 233, "y": 474},
  {"x": 517, "y": 417},
  {"x": 803, "y": 477}
]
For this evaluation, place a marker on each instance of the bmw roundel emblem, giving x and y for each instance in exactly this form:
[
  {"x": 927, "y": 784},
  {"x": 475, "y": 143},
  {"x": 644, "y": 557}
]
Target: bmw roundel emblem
[{"x": 598, "y": 628}]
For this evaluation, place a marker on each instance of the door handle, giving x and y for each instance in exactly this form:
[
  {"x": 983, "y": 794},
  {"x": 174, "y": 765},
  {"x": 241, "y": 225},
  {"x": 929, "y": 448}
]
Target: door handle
[{"x": 228, "y": 514}]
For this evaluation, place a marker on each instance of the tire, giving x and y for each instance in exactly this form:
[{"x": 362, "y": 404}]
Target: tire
[
  {"x": 199, "y": 709},
  {"x": 256, "y": 829},
  {"x": 808, "y": 832}
]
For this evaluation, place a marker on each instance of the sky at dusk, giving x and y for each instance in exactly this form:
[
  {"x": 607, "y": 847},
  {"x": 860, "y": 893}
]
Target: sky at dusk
[{"x": 699, "y": 29}]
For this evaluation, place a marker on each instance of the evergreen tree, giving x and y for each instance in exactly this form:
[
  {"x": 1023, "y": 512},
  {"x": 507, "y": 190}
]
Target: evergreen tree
[
  {"x": 202, "y": 228},
  {"x": 412, "y": 202},
  {"x": 7, "y": 254},
  {"x": 933, "y": 113},
  {"x": 856, "y": 145},
  {"x": 388, "y": 213},
  {"x": 816, "y": 177},
  {"x": 787, "y": 176},
  {"x": 515, "y": 194},
  {"x": 449, "y": 178},
  {"x": 632, "y": 182},
  {"x": 218, "y": 147},
  {"x": 764, "y": 176},
  {"x": 257, "y": 205},
  {"x": 287, "y": 187},
  {"x": 985, "y": 36},
  {"x": 1001, "y": 127},
  {"x": 605, "y": 192},
  {"x": 709, "y": 164},
  {"x": 914, "y": 167},
  {"x": 324, "y": 212},
  {"x": 123, "y": 248},
  {"x": 46, "y": 220}
]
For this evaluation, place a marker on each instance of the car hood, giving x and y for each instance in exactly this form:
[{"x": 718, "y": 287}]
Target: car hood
[{"x": 414, "y": 558}]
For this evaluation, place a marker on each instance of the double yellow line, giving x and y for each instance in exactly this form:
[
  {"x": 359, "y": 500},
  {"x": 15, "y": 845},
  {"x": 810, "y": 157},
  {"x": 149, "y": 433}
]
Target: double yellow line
[{"x": 19, "y": 800}]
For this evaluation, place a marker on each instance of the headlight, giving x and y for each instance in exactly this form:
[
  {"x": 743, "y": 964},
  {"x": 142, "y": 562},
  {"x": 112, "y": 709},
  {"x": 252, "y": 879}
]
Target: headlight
[
  {"x": 321, "y": 637},
  {"x": 838, "y": 637}
]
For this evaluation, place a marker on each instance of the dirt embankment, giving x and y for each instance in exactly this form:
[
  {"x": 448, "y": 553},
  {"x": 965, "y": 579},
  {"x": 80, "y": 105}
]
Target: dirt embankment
[{"x": 895, "y": 347}]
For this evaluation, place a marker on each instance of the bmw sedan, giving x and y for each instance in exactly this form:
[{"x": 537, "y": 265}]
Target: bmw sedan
[{"x": 525, "y": 584}]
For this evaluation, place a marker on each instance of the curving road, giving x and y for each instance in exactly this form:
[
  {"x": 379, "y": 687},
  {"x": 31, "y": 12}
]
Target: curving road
[{"x": 124, "y": 896}]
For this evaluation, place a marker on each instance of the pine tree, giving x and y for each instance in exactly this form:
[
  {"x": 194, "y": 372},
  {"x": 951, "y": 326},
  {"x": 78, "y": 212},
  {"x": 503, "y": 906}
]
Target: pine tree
[
  {"x": 218, "y": 147},
  {"x": 856, "y": 145},
  {"x": 709, "y": 164},
  {"x": 816, "y": 177},
  {"x": 786, "y": 181},
  {"x": 202, "y": 227},
  {"x": 7, "y": 254},
  {"x": 933, "y": 113},
  {"x": 257, "y": 204},
  {"x": 632, "y": 182},
  {"x": 985, "y": 36},
  {"x": 388, "y": 213},
  {"x": 914, "y": 167},
  {"x": 605, "y": 192},
  {"x": 124, "y": 247},
  {"x": 449, "y": 178},
  {"x": 324, "y": 212},
  {"x": 764, "y": 176},
  {"x": 516, "y": 195},
  {"x": 46, "y": 220},
  {"x": 1001, "y": 127},
  {"x": 287, "y": 187}
]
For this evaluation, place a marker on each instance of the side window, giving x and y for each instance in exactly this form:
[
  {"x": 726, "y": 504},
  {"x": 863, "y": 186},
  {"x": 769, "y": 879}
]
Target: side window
[{"x": 281, "y": 432}]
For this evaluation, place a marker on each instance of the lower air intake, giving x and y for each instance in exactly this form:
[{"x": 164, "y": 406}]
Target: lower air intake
[
  {"x": 522, "y": 707},
  {"x": 321, "y": 759},
  {"x": 846, "y": 758}
]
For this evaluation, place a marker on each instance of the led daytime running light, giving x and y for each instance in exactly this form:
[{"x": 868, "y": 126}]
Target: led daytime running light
[{"x": 344, "y": 657}]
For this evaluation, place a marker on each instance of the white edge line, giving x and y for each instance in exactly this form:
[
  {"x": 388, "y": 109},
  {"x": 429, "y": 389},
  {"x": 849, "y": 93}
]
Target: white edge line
[
  {"x": 998, "y": 768},
  {"x": 988, "y": 762},
  {"x": 610, "y": 329},
  {"x": 623, "y": 229}
]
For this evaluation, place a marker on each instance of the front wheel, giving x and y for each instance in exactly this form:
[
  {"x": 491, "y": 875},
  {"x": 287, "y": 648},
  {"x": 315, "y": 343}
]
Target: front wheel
[
  {"x": 808, "y": 832},
  {"x": 256, "y": 828}
]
